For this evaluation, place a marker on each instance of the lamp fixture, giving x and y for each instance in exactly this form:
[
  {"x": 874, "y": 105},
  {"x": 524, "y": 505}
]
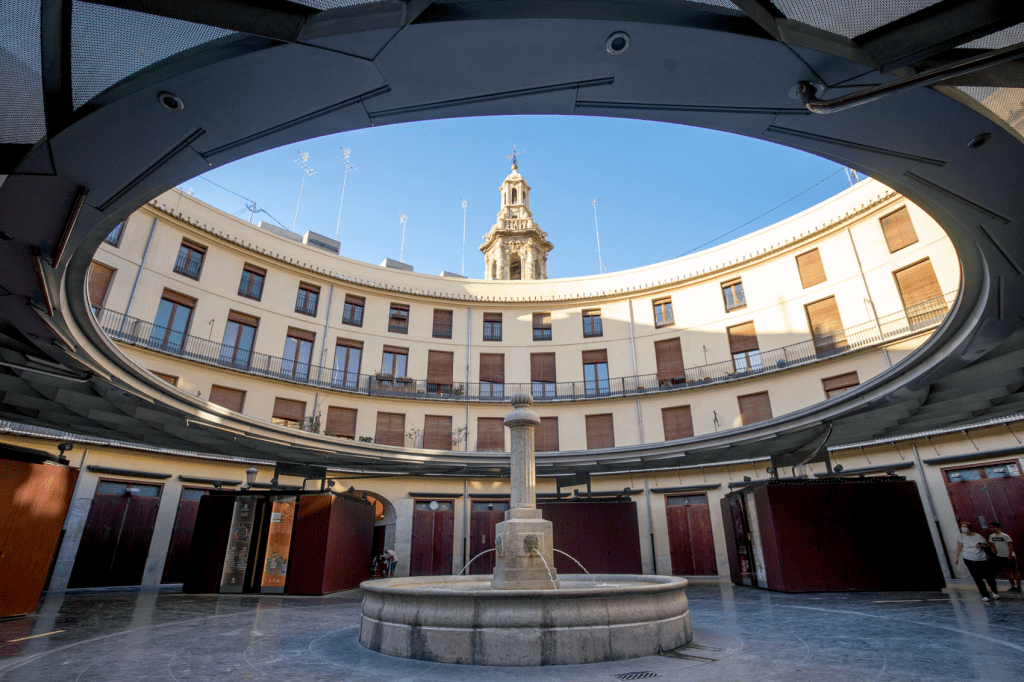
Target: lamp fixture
[{"x": 250, "y": 476}]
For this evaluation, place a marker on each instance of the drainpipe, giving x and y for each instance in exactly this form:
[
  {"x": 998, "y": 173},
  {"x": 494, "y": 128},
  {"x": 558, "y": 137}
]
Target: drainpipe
[
  {"x": 138, "y": 275},
  {"x": 632, "y": 347},
  {"x": 327, "y": 323},
  {"x": 469, "y": 360},
  {"x": 931, "y": 507},
  {"x": 867, "y": 291}
]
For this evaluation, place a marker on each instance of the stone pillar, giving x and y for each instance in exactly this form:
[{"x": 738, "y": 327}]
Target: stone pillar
[
  {"x": 503, "y": 264},
  {"x": 528, "y": 267},
  {"x": 523, "y": 541}
]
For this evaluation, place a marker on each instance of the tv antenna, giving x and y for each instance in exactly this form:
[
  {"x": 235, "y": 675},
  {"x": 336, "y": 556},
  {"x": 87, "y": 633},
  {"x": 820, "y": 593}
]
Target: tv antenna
[
  {"x": 402, "y": 218},
  {"x": 303, "y": 162},
  {"x": 601, "y": 267},
  {"x": 346, "y": 153},
  {"x": 464, "y": 205}
]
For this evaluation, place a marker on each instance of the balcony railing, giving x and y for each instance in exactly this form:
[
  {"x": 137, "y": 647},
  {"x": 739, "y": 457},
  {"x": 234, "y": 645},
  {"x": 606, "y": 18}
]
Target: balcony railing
[{"x": 143, "y": 334}]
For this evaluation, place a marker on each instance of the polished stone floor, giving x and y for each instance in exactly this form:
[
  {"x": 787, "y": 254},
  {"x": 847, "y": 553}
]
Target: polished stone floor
[{"x": 739, "y": 634}]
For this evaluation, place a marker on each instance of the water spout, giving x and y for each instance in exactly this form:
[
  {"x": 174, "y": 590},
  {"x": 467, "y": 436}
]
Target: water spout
[
  {"x": 550, "y": 576},
  {"x": 574, "y": 559},
  {"x": 477, "y": 557}
]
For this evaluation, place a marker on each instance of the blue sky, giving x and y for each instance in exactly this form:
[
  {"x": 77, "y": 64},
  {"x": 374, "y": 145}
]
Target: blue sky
[{"x": 662, "y": 189}]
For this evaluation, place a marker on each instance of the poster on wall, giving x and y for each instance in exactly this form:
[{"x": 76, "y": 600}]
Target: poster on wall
[
  {"x": 236, "y": 558},
  {"x": 279, "y": 542}
]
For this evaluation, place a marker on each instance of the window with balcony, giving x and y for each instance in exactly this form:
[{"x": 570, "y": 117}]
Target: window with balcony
[
  {"x": 600, "y": 431},
  {"x": 353, "y": 313},
  {"x": 114, "y": 236},
  {"x": 251, "y": 284},
  {"x": 592, "y": 323},
  {"x": 663, "y": 316},
  {"x": 442, "y": 324},
  {"x": 190, "y": 259},
  {"x": 290, "y": 413},
  {"x": 307, "y": 299},
  {"x": 492, "y": 375},
  {"x": 732, "y": 294},
  {"x": 542, "y": 326},
  {"x": 542, "y": 374},
  {"x": 394, "y": 363},
  {"x": 173, "y": 317},
  {"x": 440, "y": 370},
  {"x": 743, "y": 346},
  {"x": 398, "y": 319},
  {"x": 239, "y": 336},
  {"x": 595, "y": 372},
  {"x": 492, "y": 326},
  {"x": 922, "y": 298},
  {"x": 826, "y": 325},
  {"x": 341, "y": 423},
  {"x": 898, "y": 230},
  {"x": 668, "y": 354},
  {"x": 347, "y": 356},
  {"x": 298, "y": 349}
]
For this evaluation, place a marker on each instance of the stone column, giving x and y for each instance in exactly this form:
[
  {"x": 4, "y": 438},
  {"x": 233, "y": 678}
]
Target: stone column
[
  {"x": 503, "y": 264},
  {"x": 528, "y": 267},
  {"x": 523, "y": 541}
]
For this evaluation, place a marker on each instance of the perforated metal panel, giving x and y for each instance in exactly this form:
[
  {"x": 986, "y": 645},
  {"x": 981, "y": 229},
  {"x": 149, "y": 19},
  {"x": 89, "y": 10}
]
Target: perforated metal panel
[
  {"x": 109, "y": 44},
  {"x": 1005, "y": 103},
  {"x": 332, "y": 4},
  {"x": 999, "y": 39},
  {"x": 22, "y": 120},
  {"x": 849, "y": 18},
  {"x": 726, "y": 4}
]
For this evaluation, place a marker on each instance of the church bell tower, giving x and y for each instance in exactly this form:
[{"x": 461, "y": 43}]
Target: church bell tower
[{"x": 515, "y": 247}]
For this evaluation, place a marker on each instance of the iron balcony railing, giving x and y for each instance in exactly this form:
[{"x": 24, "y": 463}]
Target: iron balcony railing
[{"x": 144, "y": 334}]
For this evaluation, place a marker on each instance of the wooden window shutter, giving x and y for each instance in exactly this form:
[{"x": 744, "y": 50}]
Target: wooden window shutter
[
  {"x": 172, "y": 380},
  {"x": 351, "y": 343},
  {"x": 823, "y": 317},
  {"x": 678, "y": 422},
  {"x": 898, "y": 230},
  {"x": 492, "y": 317},
  {"x": 742, "y": 338},
  {"x": 755, "y": 408},
  {"x": 231, "y": 398},
  {"x": 390, "y": 429},
  {"x": 492, "y": 367},
  {"x": 437, "y": 432},
  {"x": 242, "y": 318},
  {"x": 669, "y": 356},
  {"x": 591, "y": 357},
  {"x": 397, "y": 350},
  {"x": 99, "y": 281},
  {"x": 292, "y": 410},
  {"x": 842, "y": 381},
  {"x": 341, "y": 421},
  {"x": 600, "y": 431},
  {"x": 175, "y": 297},
  {"x": 302, "y": 334},
  {"x": 541, "y": 320},
  {"x": 440, "y": 366},
  {"x": 545, "y": 437},
  {"x": 811, "y": 269},
  {"x": 192, "y": 245},
  {"x": 443, "y": 324},
  {"x": 490, "y": 434},
  {"x": 542, "y": 367},
  {"x": 917, "y": 284}
]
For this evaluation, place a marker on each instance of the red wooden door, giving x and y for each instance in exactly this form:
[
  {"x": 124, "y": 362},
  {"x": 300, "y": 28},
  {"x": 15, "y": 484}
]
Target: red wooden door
[
  {"x": 433, "y": 525},
  {"x": 985, "y": 493},
  {"x": 118, "y": 531},
  {"x": 483, "y": 517},
  {"x": 689, "y": 533},
  {"x": 181, "y": 536}
]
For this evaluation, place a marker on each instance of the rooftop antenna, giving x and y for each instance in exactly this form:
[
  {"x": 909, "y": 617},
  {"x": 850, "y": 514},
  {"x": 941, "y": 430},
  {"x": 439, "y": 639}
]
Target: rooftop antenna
[
  {"x": 252, "y": 209},
  {"x": 346, "y": 153},
  {"x": 852, "y": 176},
  {"x": 303, "y": 162},
  {"x": 464, "y": 205},
  {"x": 402, "y": 218},
  {"x": 600, "y": 262}
]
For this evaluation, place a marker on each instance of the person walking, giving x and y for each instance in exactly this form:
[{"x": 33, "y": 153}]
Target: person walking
[
  {"x": 1005, "y": 558},
  {"x": 392, "y": 560},
  {"x": 973, "y": 547}
]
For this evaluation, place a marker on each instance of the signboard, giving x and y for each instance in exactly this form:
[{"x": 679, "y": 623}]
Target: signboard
[
  {"x": 279, "y": 542},
  {"x": 236, "y": 558}
]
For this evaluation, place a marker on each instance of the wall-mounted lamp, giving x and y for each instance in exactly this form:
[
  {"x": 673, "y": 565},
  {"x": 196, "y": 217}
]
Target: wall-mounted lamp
[{"x": 250, "y": 476}]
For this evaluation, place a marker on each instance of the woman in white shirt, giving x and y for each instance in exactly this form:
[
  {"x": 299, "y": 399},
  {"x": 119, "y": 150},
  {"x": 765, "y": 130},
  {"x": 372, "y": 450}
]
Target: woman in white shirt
[{"x": 972, "y": 546}]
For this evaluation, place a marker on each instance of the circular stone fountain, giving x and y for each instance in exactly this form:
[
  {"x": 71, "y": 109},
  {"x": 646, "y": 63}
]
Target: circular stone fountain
[{"x": 524, "y": 614}]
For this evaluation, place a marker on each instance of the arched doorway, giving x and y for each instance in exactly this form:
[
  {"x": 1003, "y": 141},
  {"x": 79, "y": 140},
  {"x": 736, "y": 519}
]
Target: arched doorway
[{"x": 384, "y": 517}]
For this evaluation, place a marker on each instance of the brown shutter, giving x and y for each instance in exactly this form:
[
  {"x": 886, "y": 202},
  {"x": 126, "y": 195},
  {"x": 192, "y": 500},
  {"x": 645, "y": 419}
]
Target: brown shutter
[
  {"x": 302, "y": 334},
  {"x": 678, "y": 422},
  {"x": 443, "y": 324},
  {"x": 490, "y": 434},
  {"x": 191, "y": 244},
  {"x": 591, "y": 357},
  {"x": 541, "y": 320},
  {"x": 390, "y": 429},
  {"x": 811, "y": 269},
  {"x": 742, "y": 338},
  {"x": 826, "y": 325},
  {"x": 242, "y": 318},
  {"x": 917, "y": 285},
  {"x": 180, "y": 299},
  {"x": 755, "y": 408},
  {"x": 669, "y": 356},
  {"x": 542, "y": 367},
  {"x": 600, "y": 431},
  {"x": 492, "y": 367},
  {"x": 440, "y": 367},
  {"x": 292, "y": 410},
  {"x": 546, "y": 435},
  {"x": 397, "y": 350},
  {"x": 231, "y": 398},
  {"x": 99, "y": 281},
  {"x": 842, "y": 381},
  {"x": 898, "y": 230},
  {"x": 350, "y": 343},
  {"x": 172, "y": 380},
  {"x": 437, "y": 432},
  {"x": 492, "y": 317},
  {"x": 341, "y": 421}
]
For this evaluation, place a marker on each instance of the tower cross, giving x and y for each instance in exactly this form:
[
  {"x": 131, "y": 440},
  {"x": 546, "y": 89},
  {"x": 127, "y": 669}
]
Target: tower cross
[{"x": 513, "y": 157}]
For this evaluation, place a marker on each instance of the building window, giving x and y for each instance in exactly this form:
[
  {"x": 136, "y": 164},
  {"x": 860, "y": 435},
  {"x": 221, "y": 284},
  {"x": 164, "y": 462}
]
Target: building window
[
  {"x": 341, "y": 423},
  {"x": 542, "y": 374},
  {"x": 542, "y": 326},
  {"x": 114, "y": 236},
  {"x": 826, "y": 326},
  {"x": 353, "y": 313},
  {"x": 390, "y": 429},
  {"x": 443, "y": 324},
  {"x": 811, "y": 269},
  {"x": 677, "y": 421},
  {"x": 251, "y": 285},
  {"x": 394, "y": 362},
  {"x": 492, "y": 375},
  {"x": 755, "y": 408},
  {"x": 490, "y": 434},
  {"x": 173, "y": 317},
  {"x": 743, "y": 346},
  {"x": 99, "y": 283},
  {"x": 440, "y": 369},
  {"x": 923, "y": 300},
  {"x": 290, "y": 413},
  {"x": 492, "y": 326},
  {"x": 839, "y": 385},
  {"x": 307, "y": 298},
  {"x": 592, "y": 323},
  {"x": 172, "y": 380},
  {"x": 898, "y": 230},
  {"x": 663, "y": 316},
  {"x": 239, "y": 336},
  {"x": 190, "y": 259},
  {"x": 732, "y": 293},
  {"x": 515, "y": 267},
  {"x": 230, "y": 398},
  {"x": 298, "y": 349},
  {"x": 595, "y": 372},
  {"x": 600, "y": 431},
  {"x": 546, "y": 435},
  {"x": 668, "y": 355},
  {"x": 437, "y": 432},
  {"x": 347, "y": 357},
  {"x": 398, "y": 319}
]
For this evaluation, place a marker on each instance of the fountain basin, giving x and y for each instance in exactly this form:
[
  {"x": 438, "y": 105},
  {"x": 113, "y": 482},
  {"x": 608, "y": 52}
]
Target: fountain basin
[{"x": 461, "y": 619}]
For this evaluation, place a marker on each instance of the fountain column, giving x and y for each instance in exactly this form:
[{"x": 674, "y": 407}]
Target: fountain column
[{"x": 524, "y": 556}]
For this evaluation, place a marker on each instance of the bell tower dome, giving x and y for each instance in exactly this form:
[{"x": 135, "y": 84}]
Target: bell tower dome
[{"x": 515, "y": 247}]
